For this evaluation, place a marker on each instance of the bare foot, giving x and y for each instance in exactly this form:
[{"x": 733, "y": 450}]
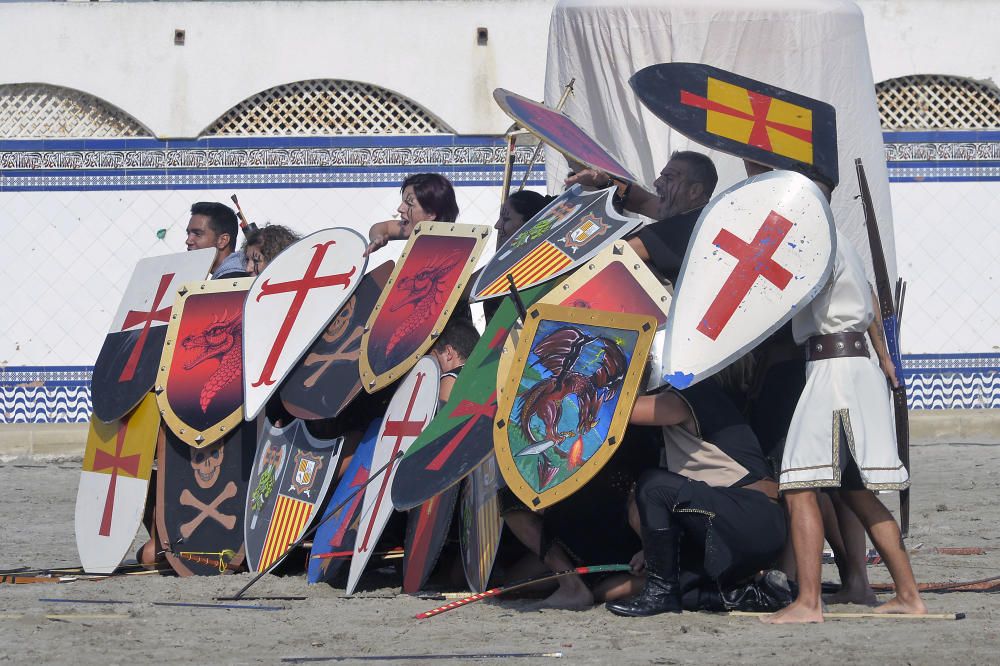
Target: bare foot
[
  {"x": 862, "y": 596},
  {"x": 897, "y": 606},
  {"x": 147, "y": 556},
  {"x": 795, "y": 613},
  {"x": 572, "y": 594}
]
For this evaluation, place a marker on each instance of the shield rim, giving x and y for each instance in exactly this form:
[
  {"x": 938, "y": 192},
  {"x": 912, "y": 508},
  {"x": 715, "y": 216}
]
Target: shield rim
[
  {"x": 829, "y": 167},
  {"x": 824, "y": 276},
  {"x": 578, "y": 261},
  {"x": 278, "y": 381},
  {"x": 372, "y": 382},
  {"x": 468, "y": 500},
  {"x": 208, "y": 256},
  {"x": 500, "y": 96},
  {"x": 337, "y": 443},
  {"x": 627, "y": 395},
  {"x": 177, "y": 426}
]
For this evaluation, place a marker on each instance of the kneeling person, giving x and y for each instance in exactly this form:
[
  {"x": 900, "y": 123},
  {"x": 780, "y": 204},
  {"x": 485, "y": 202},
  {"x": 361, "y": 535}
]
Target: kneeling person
[{"x": 710, "y": 521}]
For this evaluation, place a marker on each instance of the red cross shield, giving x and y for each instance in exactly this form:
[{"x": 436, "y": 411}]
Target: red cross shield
[
  {"x": 291, "y": 303},
  {"x": 761, "y": 250}
]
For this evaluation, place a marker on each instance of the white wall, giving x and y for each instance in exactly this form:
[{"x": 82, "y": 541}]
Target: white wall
[{"x": 124, "y": 53}]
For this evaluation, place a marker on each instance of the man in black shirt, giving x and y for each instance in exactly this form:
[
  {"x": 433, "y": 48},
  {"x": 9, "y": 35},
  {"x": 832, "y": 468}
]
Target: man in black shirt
[{"x": 683, "y": 188}]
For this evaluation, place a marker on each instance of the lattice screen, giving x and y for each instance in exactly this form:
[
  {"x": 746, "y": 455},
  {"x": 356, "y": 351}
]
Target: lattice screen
[
  {"x": 929, "y": 101},
  {"x": 326, "y": 106},
  {"x": 41, "y": 111}
]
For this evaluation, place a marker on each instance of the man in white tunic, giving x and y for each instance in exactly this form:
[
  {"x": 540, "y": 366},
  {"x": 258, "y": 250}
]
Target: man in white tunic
[{"x": 841, "y": 436}]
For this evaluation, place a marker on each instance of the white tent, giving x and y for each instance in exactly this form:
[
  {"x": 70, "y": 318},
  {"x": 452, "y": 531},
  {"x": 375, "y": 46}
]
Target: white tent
[{"x": 815, "y": 48}]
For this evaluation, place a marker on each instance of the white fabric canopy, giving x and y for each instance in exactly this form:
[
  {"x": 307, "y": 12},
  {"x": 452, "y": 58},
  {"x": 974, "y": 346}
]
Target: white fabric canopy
[{"x": 815, "y": 48}]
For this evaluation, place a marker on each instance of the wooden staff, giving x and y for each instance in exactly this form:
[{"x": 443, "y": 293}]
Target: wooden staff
[{"x": 600, "y": 568}]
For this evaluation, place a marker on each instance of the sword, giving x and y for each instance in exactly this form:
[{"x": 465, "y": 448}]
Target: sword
[{"x": 889, "y": 309}]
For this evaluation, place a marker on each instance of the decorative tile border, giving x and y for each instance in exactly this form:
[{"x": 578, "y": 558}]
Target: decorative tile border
[
  {"x": 132, "y": 164},
  {"x": 61, "y": 394},
  {"x": 942, "y": 156}
]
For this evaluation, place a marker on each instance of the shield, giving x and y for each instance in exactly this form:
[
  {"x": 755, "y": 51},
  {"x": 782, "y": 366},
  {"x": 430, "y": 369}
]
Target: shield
[
  {"x": 200, "y": 381},
  {"x": 412, "y": 407},
  {"x": 460, "y": 437},
  {"x": 426, "y": 531},
  {"x": 126, "y": 367},
  {"x": 290, "y": 304},
  {"x": 562, "y": 236},
  {"x": 560, "y": 131},
  {"x": 616, "y": 280},
  {"x": 327, "y": 378},
  {"x": 418, "y": 299},
  {"x": 113, "y": 485},
  {"x": 742, "y": 117},
  {"x": 291, "y": 474},
  {"x": 200, "y": 496},
  {"x": 333, "y": 542},
  {"x": 482, "y": 525},
  {"x": 760, "y": 250},
  {"x": 573, "y": 381}
]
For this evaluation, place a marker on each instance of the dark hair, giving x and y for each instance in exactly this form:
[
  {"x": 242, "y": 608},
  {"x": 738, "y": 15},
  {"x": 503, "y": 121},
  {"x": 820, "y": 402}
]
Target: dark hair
[
  {"x": 700, "y": 169},
  {"x": 460, "y": 334},
  {"x": 435, "y": 194},
  {"x": 272, "y": 239},
  {"x": 221, "y": 219},
  {"x": 527, "y": 203}
]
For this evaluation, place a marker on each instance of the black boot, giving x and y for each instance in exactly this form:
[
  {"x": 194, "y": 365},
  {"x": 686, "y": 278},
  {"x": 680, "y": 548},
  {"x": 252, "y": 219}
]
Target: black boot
[
  {"x": 770, "y": 592},
  {"x": 662, "y": 593}
]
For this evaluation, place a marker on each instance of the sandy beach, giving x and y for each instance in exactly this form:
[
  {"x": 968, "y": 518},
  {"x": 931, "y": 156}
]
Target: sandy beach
[{"x": 954, "y": 498}]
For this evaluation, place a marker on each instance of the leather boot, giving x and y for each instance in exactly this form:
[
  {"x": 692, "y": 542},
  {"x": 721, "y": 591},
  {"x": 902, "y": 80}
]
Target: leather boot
[
  {"x": 662, "y": 593},
  {"x": 767, "y": 594}
]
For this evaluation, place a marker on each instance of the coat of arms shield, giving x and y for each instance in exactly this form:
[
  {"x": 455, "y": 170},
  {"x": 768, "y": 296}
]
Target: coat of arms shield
[
  {"x": 418, "y": 299},
  {"x": 573, "y": 381},
  {"x": 199, "y": 385},
  {"x": 760, "y": 250}
]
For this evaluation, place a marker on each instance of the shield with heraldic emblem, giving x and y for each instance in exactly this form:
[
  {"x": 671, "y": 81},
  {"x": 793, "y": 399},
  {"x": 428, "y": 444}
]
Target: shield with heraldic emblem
[
  {"x": 567, "y": 399},
  {"x": 113, "y": 485},
  {"x": 418, "y": 299},
  {"x": 562, "y": 236},
  {"x": 742, "y": 117},
  {"x": 561, "y": 132},
  {"x": 199, "y": 385},
  {"x": 292, "y": 472},
  {"x": 291, "y": 302},
  {"x": 126, "y": 367},
  {"x": 760, "y": 251}
]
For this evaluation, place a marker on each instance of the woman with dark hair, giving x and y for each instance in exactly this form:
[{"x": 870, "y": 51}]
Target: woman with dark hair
[
  {"x": 263, "y": 245},
  {"x": 425, "y": 197},
  {"x": 520, "y": 207}
]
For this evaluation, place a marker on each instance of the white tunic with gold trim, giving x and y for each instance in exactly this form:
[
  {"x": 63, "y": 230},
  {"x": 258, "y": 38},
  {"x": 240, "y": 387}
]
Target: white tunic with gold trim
[{"x": 846, "y": 401}]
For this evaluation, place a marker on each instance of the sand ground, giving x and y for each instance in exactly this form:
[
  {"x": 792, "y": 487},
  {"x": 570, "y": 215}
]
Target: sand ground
[{"x": 955, "y": 504}]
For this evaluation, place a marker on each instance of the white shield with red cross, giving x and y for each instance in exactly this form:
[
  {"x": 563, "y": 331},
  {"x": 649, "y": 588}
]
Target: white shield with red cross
[
  {"x": 760, "y": 251},
  {"x": 290, "y": 304},
  {"x": 126, "y": 368},
  {"x": 412, "y": 407}
]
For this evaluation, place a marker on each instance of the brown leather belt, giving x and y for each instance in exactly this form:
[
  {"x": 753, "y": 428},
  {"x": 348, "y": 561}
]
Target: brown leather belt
[
  {"x": 836, "y": 345},
  {"x": 766, "y": 486}
]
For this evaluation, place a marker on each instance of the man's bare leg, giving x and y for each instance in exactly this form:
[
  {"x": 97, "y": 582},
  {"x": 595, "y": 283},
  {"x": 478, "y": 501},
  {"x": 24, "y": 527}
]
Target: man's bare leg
[
  {"x": 807, "y": 540},
  {"x": 851, "y": 557},
  {"x": 572, "y": 593},
  {"x": 885, "y": 535}
]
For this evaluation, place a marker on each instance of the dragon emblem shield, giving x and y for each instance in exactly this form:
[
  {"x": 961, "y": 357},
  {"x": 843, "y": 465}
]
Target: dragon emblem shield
[
  {"x": 199, "y": 385},
  {"x": 418, "y": 299},
  {"x": 573, "y": 381}
]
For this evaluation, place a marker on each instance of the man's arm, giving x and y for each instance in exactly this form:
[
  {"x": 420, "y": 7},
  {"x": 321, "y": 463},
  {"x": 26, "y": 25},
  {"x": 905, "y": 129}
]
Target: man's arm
[
  {"x": 876, "y": 332},
  {"x": 638, "y": 200},
  {"x": 663, "y": 409}
]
